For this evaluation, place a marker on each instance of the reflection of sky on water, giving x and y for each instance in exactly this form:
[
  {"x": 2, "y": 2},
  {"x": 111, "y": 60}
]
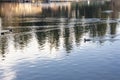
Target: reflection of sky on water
[
  {"x": 51, "y": 45},
  {"x": 31, "y": 55}
]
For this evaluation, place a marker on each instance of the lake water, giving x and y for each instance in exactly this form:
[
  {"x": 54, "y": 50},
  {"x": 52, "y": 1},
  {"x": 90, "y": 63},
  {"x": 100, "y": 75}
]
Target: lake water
[{"x": 60, "y": 41}]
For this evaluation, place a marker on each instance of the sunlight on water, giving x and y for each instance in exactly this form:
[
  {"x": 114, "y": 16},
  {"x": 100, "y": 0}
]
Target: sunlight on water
[{"x": 60, "y": 40}]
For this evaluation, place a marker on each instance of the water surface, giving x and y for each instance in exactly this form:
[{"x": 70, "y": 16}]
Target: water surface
[{"x": 60, "y": 41}]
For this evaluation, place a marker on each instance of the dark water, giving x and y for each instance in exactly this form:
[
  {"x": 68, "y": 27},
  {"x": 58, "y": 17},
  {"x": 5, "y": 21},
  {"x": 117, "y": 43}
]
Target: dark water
[{"x": 60, "y": 41}]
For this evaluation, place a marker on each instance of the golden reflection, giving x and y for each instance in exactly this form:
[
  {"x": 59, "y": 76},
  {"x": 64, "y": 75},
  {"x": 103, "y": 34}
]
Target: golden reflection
[
  {"x": 19, "y": 9},
  {"x": 0, "y": 24},
  {"x": 115, "y": 4},
  {"x": 12, "y": 11},
  {"x": 55, "y": 6},
  {"x": 27, "y": 9}
]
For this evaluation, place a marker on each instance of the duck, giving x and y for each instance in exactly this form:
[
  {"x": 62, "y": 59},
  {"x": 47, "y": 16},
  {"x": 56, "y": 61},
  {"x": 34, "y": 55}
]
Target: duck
[
  {"x": 2, "y": 33},
  {"x": 86, "y": 39},
  {"x": 10, "y": 30},
  {"x": 5, "y": 31}
]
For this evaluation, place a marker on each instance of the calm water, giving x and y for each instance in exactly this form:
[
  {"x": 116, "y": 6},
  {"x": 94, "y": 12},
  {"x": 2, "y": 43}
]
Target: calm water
[{"x": 60, "y": 41}]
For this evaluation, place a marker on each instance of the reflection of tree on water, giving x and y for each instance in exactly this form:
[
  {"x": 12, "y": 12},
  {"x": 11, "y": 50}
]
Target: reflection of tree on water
[
  {"x": 78, "y": 33},
  {"x": 59, "y": 12},
  {"x": 3, "y": 47},
  {"x": 21, "y": 41},
  {"x": 101, "y": 30},
  {"x": 67, "y": 30},
  {"x": 67, "y": 42},
  {"x": 113, "y": 29},
  {"x": 41, "y": 37},
  {"x": 115, "y": 7},
  {"x": 51, "y": 36},
  {"x": 76, "y": 10}
]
